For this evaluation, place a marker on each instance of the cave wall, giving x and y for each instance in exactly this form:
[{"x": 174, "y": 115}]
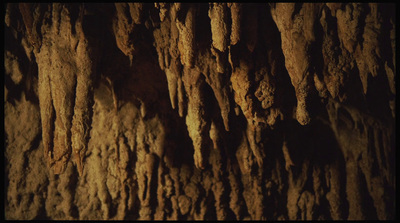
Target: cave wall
[{"x": 199, "y": 111}]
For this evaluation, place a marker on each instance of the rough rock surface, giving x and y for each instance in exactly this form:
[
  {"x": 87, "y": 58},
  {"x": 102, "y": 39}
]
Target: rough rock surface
[{"x": 199, "y": 111}]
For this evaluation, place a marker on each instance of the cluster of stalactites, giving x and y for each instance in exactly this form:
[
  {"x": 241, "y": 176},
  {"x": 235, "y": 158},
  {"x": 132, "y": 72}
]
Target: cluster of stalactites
[
  {"x": 227, "y": 64},
  {"x": 176, "y": 45},
  {"x": 189, "y": 68},
  {"x": 66, "y": 63}
]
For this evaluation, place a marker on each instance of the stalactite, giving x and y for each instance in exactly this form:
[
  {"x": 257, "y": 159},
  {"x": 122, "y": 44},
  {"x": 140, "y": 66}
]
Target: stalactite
[
  {"x": 128, "y": 17},
  {"x": 186, "y": 29},
  {"x": 236, "y": 22},
  {"x": 297, "y": 32},
  {"x": 197, "y": 126},
  {"x": 65, "y": 90}
]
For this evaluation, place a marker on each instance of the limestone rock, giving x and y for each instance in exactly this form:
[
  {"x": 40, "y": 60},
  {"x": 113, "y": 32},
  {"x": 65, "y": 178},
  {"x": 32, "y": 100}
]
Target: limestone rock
[{"x": 199, "y": 111}]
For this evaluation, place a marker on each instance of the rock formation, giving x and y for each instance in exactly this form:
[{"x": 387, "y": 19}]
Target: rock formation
[{"x": 191, "y": 111}]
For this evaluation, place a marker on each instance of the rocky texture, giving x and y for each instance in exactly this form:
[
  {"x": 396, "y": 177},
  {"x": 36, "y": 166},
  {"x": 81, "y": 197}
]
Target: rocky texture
[{"x": 200, "y": 111}]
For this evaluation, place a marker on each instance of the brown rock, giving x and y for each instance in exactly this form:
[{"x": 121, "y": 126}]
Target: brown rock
[{"x": 199, "y": 111}]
